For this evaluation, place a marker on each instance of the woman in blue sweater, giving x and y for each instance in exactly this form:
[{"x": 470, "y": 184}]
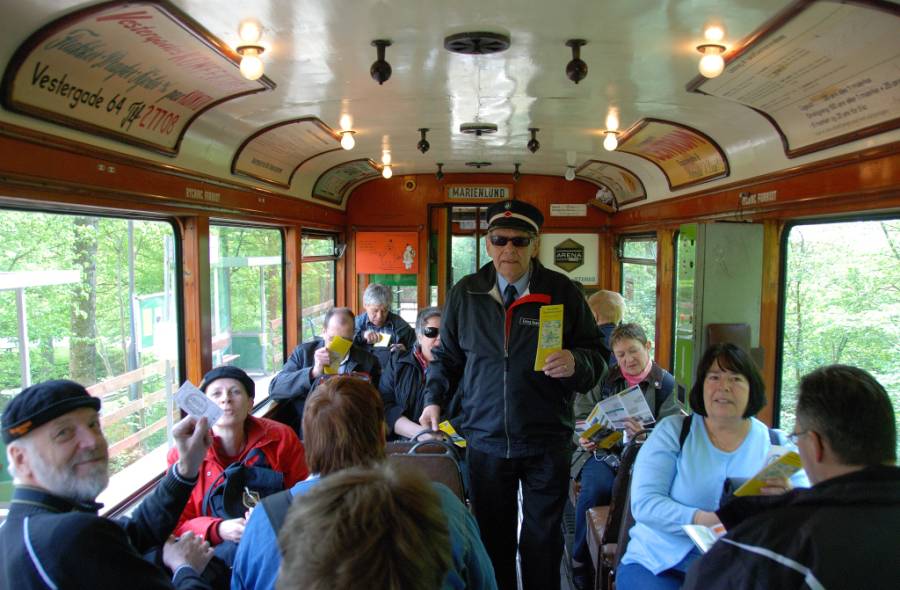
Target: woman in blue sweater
[{"x": 675, "y": 484}]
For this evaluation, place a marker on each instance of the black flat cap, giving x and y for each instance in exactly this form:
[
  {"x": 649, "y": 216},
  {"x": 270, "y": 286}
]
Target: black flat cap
[
  {"x": 41, "y": 403},
  {"x": 515, "y": 215},
  {"x": 229, "y": 372}
]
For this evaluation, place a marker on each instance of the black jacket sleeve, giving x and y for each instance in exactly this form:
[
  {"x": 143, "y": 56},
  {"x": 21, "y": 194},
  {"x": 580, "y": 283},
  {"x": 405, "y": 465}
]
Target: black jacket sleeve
[
  {"x": 449, "y": 359},
  {"x": 294, "y": 379}
]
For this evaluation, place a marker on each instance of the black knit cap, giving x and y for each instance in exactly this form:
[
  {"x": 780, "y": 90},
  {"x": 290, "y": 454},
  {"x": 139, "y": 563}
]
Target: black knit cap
[
  {"x": 515, "y": 214},
  {"x": 41, "y": 403},
  {"x": 229, "y": 372}
]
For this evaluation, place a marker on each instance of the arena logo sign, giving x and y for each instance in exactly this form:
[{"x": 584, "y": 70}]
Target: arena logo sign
[{"x": 568, "y": 255}]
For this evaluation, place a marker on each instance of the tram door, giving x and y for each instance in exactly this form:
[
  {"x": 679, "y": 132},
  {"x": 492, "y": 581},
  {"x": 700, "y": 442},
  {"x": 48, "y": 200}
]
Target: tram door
[{"x": 467, "y": 226}]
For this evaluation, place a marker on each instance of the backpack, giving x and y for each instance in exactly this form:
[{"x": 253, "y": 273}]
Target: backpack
[{"x": 224, "y": 498}]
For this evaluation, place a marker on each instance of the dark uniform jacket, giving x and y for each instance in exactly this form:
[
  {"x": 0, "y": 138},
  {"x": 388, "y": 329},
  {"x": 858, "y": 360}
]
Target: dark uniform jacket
[
  {"x": 509, "y": 409},
  {"x": 402, "y": 387},
  {"x": 401, "y": 333},
  {"x": 52, "y": 542},
  {"x": 294, "y": 382},
  {"x": 841, "y": 533}
]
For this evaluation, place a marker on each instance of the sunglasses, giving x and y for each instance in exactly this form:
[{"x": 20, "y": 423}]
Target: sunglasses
[
  {"x": 518, "y": 241},
  {"x": 431, "y": 332}
]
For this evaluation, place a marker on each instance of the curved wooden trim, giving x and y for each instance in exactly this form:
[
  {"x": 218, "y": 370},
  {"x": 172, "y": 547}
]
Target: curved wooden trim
[
  {"x": 321, "y": 124},
  {"x": 772, "y": 26},
  {"x": 634, "y": 129},
  {"x": 179, "y": 17}
]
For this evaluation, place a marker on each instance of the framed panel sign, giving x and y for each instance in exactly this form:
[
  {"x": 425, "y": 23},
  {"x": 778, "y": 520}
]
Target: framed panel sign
[
  {"x": 574, "y": 255},
  {"x": 333, "y": 184},
  {"x": 138, "y": 72},
  {"x": 275, "y": 153},
  {"x": 387, "y": 252},
  {"x": 823, "y": 72},
  {"x": 685, "y": 156},
  {"x": 624, "y": 185}
]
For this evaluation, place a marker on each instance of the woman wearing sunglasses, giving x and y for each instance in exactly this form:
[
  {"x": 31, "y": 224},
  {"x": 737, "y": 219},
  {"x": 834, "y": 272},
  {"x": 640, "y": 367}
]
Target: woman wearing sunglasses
[{"x": 403, "y": 378}]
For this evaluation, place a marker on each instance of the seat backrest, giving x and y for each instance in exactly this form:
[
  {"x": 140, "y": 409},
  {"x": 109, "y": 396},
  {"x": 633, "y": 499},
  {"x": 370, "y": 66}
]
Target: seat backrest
[
  {"x": 624, "y": 529},
  {"x": 621, "y": 484},
  {"x": 439, "y": 468}
]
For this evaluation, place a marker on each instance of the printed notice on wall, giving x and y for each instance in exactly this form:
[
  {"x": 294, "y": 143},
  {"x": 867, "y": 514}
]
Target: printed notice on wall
[
  {"x": 274, "y": 154},
  {"x": 334, "y": 183},
  {"x": 830, "y": 74},
  {"x": 138, "y": 72},
  {"x": 574, "y": 255},
  {"x": 387, "y": 253}
]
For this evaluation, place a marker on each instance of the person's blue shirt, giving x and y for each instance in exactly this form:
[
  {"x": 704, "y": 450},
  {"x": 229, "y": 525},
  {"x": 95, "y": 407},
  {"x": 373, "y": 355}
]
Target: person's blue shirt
[
  {"x": 259, "y": 558},
  {"x": 521, "y": 285},
  {"x": 670, "y": 484}
]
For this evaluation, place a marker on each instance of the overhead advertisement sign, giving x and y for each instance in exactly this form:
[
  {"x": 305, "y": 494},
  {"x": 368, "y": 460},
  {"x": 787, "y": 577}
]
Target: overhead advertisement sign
[
  {"x": 138, "y": 72},
  {"x": 685, "y": 155},
  {"x": 824, "y": 73},
  {"x": 334, "y": 184},
  {"x": 574, "y": 255},
  {"x": 625, "y": 186},
  {"x": 276, "y": 152}
]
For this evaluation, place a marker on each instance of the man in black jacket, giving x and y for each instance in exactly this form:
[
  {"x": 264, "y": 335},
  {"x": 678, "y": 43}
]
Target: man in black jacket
[
  {"x": 52, "y": 537},
  {"x": 306, "y": 366},
  {"x": 842, "y": 532},
  {"x": 517, "y": 421}
]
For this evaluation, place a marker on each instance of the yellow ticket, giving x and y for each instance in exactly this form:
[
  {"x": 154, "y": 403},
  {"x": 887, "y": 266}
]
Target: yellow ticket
[
  {"x": 337, "y": 350},
  {"x": 550, "y": 334}
]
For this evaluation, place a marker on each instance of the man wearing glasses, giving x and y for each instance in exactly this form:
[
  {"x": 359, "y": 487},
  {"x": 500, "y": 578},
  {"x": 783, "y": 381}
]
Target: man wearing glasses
[
  {"x": 517, "y": 421},
  {"x": 840, "y": 533}
]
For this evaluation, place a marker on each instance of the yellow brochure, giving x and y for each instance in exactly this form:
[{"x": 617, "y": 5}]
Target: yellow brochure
[
  {"x": 447, "y": 428},
  {"x": 550, "y": 334},
  {"x": 337, "y": 350},
  {"x": 784, "y": 466},
  {"x": 383, "y": 340}
]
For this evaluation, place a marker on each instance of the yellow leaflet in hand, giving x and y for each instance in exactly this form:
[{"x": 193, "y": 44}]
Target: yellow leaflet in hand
[
  {"x": 383, "y": 340},
  {"x": 337, "y": 350},
  {"x": 550, "y": 334},
  {"x": 784, "y": 466},
  {"x": 447, "y": 428}
]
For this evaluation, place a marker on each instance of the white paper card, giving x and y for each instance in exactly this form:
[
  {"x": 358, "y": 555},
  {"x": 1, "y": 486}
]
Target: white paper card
[{"x": 194, "y": 402}]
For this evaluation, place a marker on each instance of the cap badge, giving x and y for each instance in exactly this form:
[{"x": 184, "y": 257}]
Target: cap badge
[{"x": 508, "y": 205}]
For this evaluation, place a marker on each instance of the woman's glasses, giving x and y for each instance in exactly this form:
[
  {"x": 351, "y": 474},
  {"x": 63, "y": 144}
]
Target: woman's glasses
[
  {"x": 431, "y": 332},
  {"x": 518, "y": 241}
]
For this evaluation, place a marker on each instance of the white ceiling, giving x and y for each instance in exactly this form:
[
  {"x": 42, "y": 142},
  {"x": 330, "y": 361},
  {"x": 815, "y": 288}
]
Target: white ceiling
[{"x": 640, "y": 54}]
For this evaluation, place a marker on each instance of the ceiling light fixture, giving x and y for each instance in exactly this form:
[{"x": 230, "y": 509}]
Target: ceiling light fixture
[
  {"x": 712, "y": 63},
  {"x": 347, "y": 140},
  {"x": 251, "y": 66},
  {"x": 440, "y": 171},
  {"x": 381, "y": 69},
  {"x": 611, "y": 141},
  {"x": 386, "y": 171},
  {"x": 517, "y": 175},
  {"x": 533, "y": 144},
  {"x": 423, "y": 145},
  {"x": 576, "y": 70},
  {"x": 570, "y": 173}
]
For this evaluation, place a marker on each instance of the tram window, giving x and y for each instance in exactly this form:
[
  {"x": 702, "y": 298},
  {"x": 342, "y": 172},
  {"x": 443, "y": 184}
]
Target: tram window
[
  {"x": 316, "y": 282},
  {"x": 841, "y": 304},
  {"x": 94, "y": 299},
  {"x": 246, "y": 273},
  {"x": 637, "y": 255}
]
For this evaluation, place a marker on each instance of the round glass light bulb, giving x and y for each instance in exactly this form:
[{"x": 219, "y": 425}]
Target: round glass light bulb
[
  {"x": 570, "y": 173},
  {"x": 347, "y": 141},
  {"x": 250, "y": 32},
  {"x": 251, "y": 66},
  {"x": 714, "y": 33},
  {"x": 386, "y": 171},
  {"x": 712, "y": 64},
  {"x": 611, "y": 142}
]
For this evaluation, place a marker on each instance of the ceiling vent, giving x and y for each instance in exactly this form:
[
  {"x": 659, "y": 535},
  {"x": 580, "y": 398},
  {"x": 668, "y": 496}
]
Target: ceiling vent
[
  {"x": 478, "y": 128},
  {"x": 477, "y": 43},
  {"x": 478, "y": 165}
]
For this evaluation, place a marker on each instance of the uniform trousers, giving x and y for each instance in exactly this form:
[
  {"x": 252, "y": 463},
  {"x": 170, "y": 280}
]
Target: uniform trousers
[{"x": 494, "y": 483}]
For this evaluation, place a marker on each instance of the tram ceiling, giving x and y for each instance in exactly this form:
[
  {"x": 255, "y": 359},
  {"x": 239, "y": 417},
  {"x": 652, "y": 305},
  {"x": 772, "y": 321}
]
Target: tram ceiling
[{"x": 636, "y": 60}]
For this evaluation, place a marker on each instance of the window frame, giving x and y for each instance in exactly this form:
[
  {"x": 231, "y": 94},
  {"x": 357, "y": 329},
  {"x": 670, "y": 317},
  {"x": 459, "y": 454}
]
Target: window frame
[{"x": 334, "y": 258}]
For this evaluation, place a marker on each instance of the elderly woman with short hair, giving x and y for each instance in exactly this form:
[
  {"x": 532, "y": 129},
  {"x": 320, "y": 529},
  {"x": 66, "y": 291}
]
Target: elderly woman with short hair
[{"x": 378, "y": 320}]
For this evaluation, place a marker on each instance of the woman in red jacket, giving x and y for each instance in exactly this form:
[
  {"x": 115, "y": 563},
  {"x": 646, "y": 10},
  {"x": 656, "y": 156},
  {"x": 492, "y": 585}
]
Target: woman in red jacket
[{"x": 260, "y": 454}]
